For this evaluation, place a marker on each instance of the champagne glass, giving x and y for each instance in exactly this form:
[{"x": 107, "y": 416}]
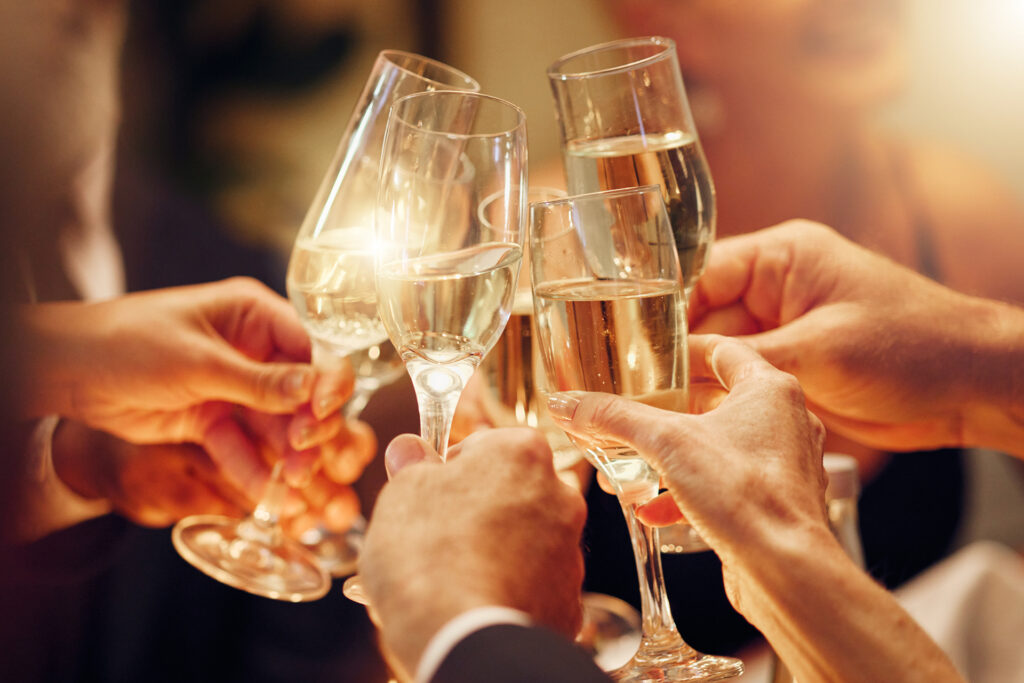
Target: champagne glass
[
  {"x": 611, "y": 316},
  {"x": 331, "y": 284},
  {"x": 446, "y": 280},
  {"x": 625, "y": 121}
]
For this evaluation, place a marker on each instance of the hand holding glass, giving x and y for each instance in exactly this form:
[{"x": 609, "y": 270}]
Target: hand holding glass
[
  {"x": 611, "y": 316},
  {"x": 331, "y": 285},
  {"x": 446, "y": 280}
]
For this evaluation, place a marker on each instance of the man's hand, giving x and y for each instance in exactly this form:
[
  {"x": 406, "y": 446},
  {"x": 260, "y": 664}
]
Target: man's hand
[
  {"x": 747, "y": 474},
  {"x": 166, "y": 367},
  {"x": 493, "y": 526},
  {"x": 883, "y": 354}
]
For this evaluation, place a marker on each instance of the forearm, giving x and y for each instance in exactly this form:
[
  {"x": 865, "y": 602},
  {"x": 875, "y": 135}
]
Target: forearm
[
  {"x": 57, "y": 348},
  {"x": 829, "y": 621},
  {"x": 46, "y": 502},
  {"x": 994, "y": 395}
]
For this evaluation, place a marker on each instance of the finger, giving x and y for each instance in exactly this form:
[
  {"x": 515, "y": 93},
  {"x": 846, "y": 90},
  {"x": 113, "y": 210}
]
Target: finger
[
  {"x": 299, "y": 465},
  {"x": 598, "y": 418},
  {"x": 236, "y": 455},
  {"x": 728, "y": 360},
  {"x": 332, "y": 389},
  {"x": 305, "y": 430},
  {"x": 254, "y": 319},
  {"x": 727, "y": 276},
  {"x": 269, "y": 387},
  {"x": 346, "y": 456},
  {"x": 342, "y": 509},
  {"x": 706, "y": 394},
  {"x": 406, "y": 450},
  {"x": 661, "y": 511},
  {"x": 732, "y": 320},
  {"x": 605, "y": 485}
]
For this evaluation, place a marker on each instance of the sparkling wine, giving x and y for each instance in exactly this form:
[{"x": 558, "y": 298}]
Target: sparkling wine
[
  {"x": 330, "y": 283},
  {"x": 508, "y": 370},
  {"x": 673, "y": 160},
  {"x": 515, "y": 387},
  {"x": 623, "y": 337},
  {"x": 449, "y": 308}
]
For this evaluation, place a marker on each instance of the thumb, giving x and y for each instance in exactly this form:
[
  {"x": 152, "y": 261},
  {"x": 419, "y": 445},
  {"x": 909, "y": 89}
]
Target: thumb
[
  {"x": 600, "y": 418},
  {"x": 266, "y": 387},
  {"x": 406, "y": 450}
]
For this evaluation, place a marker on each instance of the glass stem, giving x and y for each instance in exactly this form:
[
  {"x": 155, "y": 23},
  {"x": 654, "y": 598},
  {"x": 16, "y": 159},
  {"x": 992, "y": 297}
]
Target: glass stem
[
  {"x": 360, "y": 397},
  {"x": 262, "y": 524},
  {"x": 659, "y": 629},
  {"x": 436, "y": 414}
]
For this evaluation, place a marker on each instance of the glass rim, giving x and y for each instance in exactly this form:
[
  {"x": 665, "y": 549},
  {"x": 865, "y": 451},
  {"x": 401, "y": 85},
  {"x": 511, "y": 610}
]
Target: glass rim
[
  {"x": 602, "y": 194},
  {"x": 520, "y": 123},
  {"x": 554, "y": 72},
  {"x": 388, "y": 55}
]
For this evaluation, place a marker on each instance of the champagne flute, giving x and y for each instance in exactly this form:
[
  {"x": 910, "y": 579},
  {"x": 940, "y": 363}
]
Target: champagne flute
[
  {"x": 331, "y": 284},
  {"x": 625, "y": 121},
  {"x": 611, "y": 316},
  {"x": 446, "y": 280}
]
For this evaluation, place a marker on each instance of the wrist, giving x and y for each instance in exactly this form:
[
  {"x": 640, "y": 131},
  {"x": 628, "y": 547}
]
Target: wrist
[
  {"x": 414, "y": 610},
  {"x": 45, "y": 502},
  {"x": 993, "y": 395}
]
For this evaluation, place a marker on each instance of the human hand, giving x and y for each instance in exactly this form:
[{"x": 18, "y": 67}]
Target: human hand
[
  {"x": 874, "y": 345},
  {"x": 493, "y": 526},
  {"x": 156, "y": 485},
  {"x": 165, "y": 367},
  {"x": 747, "y": 474}
]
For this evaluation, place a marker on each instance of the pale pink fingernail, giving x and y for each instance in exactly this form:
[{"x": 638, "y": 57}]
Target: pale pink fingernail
[{"x": 563, "y": 405}]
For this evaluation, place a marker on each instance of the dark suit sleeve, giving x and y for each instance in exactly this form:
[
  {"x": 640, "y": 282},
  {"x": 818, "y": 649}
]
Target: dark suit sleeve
[{"x": 508, "y": 653}]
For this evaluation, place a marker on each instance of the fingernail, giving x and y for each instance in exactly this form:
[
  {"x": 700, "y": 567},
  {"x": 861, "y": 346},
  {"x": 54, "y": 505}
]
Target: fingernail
[
  {"x": 302, "y": 478},
  {"x": 403, "y": 452},
  {"x": 563, "y": 405},
  {"x": 307, "y": 436},
  {"x": 298, "y": 383},
  {"x": 326, "y": 404}
]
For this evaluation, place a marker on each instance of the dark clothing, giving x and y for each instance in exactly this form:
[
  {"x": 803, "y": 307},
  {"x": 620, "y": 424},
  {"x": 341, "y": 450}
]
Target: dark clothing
[{"x": 516, "y": 654}]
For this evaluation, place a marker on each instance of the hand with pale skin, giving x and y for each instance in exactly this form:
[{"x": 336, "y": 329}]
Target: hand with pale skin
[
  {"x": 494, "y": 526},
  {"x": 170, "y": 366},
  {"x": 156, "y": 485},
  {"x": 886, "y": 357},
  {"x": 748, "y": 476}
]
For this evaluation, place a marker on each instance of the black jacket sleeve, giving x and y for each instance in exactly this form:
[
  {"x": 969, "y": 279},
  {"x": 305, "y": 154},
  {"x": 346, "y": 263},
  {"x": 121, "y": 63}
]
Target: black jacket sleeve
[{"x": 508, "y": 653}]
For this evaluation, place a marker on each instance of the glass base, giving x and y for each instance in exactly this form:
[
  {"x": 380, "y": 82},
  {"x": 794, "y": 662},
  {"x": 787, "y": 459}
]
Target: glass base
[
  {"x": 249, "y": 557},
  {"x": 611, "y": 630},
  {"x": 337, "y": 553},
  {"x": 682, "y": 665}
]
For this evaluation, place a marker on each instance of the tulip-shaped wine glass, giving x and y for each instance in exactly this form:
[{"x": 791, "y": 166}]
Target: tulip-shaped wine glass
[
  {"x": 446, "y": 280},
  {"x": 331, "y": 284},
  {"x": 611, "y": 316},
  {"x": 625, "y": 121}
]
